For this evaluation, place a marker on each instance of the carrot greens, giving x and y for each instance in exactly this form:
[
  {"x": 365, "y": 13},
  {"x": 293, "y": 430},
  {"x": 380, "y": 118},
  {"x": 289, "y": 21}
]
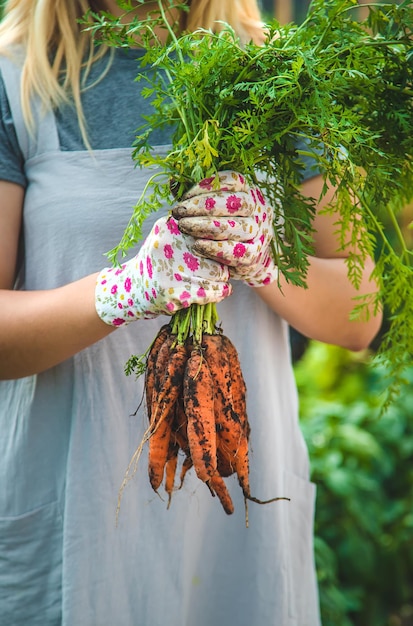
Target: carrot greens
[{"x": 333, "y": 89}]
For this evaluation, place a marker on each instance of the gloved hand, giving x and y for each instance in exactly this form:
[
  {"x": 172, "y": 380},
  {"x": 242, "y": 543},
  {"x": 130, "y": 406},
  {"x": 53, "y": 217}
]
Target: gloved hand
[
  {"x": 162, "y": 278},
  {"x": 232, "y": 224}
]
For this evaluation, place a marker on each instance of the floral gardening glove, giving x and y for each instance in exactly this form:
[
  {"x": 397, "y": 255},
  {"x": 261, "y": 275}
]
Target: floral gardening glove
[
  {"x": 232, "y": 224},
  {"x": 162, "y": 278}
]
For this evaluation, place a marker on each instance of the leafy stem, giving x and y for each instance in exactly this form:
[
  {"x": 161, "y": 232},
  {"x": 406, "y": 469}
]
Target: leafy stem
[{"x": 329, "y": 90}]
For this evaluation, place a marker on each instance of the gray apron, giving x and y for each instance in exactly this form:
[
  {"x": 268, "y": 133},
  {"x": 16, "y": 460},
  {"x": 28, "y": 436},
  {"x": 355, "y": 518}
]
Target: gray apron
[{"x": 67, "y": 435}]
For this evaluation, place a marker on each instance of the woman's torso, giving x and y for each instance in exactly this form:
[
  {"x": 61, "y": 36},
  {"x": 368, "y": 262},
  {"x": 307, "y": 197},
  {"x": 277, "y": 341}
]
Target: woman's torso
[{"x": 68, "y": 434}]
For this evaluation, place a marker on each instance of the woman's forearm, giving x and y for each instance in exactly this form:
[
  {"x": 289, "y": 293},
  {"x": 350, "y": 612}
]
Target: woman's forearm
[
  {"x": 322, "y": 311},
  {"x": 39, "y": 329}
]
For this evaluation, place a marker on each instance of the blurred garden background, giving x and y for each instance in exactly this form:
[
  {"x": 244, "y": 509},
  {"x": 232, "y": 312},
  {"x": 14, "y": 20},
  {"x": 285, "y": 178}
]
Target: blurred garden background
[{"x": 362, "y": 464}]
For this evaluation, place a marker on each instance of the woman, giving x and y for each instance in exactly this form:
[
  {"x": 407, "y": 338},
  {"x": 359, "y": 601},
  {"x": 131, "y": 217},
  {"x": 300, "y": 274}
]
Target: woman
[{"x": 67, "y": 412}]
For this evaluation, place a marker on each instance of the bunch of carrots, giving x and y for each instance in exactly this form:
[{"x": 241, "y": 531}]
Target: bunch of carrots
[
  {"x": 343, "y": 87},
  {"x": 196, "y": 403}
]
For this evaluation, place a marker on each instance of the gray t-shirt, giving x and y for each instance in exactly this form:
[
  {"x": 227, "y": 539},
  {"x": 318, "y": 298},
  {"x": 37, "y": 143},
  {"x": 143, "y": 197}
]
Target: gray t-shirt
[{"x": 111, "y": 105}]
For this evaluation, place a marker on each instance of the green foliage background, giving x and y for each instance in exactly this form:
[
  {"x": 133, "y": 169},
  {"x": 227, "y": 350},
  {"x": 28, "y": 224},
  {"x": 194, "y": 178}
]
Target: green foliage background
[{"x": 362, "y": 463}]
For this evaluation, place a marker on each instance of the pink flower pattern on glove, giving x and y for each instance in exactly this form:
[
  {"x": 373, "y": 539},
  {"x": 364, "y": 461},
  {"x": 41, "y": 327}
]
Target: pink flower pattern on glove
[
  {"x": 162, "y": 278},
  {"x": 232, "y": 224},
  {"x": 233, "y": 203}
]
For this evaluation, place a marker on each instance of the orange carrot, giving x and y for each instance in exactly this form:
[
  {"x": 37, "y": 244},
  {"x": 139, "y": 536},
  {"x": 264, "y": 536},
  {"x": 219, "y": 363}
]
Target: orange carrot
[
  {"x": 196, "y": 399},
  {"x": 163, "y": 411},
  {"x": 238, "y": 430},
  {"x": 218, "y": 364},
  {"x": 159, "y": 366},
  {"x": 179, "y": 426},
  {"x": 151, "y": 365},
  {"x": 170, "y": 470},
  {"x": 237, "y": 383},
  {"x": 186, "y": 465},
  {"x": 217, "y": 486},
  {"x": 241, "y": 425},
  {"x": 180, "y": 437},
  {"x": 199, "y": 408}
]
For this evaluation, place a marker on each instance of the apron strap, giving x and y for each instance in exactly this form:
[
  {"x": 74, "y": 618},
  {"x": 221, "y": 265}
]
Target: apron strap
[{"x": 39, "y": 142}]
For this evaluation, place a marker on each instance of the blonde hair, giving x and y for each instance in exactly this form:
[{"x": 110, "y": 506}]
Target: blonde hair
[
  {"x": 57, "y": 47},
  {"x": 243, "y": 15}
]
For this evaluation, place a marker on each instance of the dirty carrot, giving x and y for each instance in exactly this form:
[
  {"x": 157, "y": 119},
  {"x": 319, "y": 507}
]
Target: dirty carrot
[
  {"x": 196, "y": 403},
  {"x": 199, "y": 409},
  {"x": 240, "y": 425},
  {"x": 179, "y": 427},
  {"x": 151, "y": 363},
  {"x": 170, "y": 470},
  {"x": 186, "y": 466},
  {"x": 163, "y": 412},
  {"x": 213, "y": 351},
  {"x": 217, "y": 486}
]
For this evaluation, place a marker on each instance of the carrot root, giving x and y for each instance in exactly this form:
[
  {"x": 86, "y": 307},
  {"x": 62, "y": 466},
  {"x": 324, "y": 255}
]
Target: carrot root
[
  {"x": 196, "y": 403},
  {"x": 199, "y": 410}
]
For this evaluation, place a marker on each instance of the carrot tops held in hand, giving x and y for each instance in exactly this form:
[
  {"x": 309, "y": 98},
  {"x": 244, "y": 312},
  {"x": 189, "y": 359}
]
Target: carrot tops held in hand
[{"x": 332, "y": 88}]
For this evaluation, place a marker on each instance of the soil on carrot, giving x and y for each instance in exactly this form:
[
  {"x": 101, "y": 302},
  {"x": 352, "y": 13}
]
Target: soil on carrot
[{"x": 196, "y": 404}]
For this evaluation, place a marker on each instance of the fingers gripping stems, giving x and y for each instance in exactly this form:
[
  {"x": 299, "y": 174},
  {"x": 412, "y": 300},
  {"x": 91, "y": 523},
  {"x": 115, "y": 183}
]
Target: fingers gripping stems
[
  {"x": 232, "y": 224},
  {"x": 164, "y": 277}
]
